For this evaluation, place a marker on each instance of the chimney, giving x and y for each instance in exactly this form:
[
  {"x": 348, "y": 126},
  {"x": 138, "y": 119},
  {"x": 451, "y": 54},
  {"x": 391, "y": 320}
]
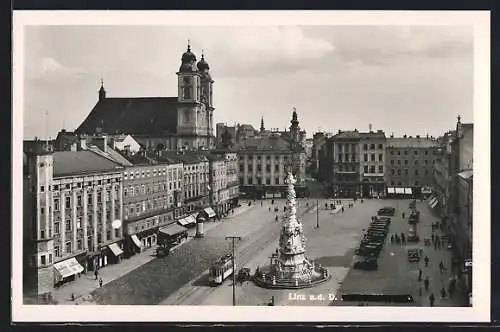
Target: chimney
[
  {"x": 102, "y": 143},
  {"x": 418, "y": 136}
]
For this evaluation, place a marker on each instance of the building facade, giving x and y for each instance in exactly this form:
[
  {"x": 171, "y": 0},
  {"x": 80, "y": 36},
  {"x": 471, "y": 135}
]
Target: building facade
[
  {"x": 410, "y": 163},
  {"x": 343, "y": 163},
  {"x": 74, "y": 223},
  {"x": 372, "y": 163},
  {"x": 173, "y": 123}
]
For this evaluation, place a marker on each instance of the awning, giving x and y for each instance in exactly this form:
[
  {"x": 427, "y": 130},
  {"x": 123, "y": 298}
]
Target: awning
[
  {"x": 433, "y": 205},
  {"x": 172, "y": 229},
  {"x": 408, "y": 191},
  {"x": 390, "y": 190},
  {"x": 432, "y": 201},
  {"x": 68, "y": 267},
  {"x": 194, "y": 217},
  {"x": 136, "y": 241},
  {"x": 210, "y": 212},
  {"x": 400, "y": 190},
  {"x": 183, "y": 221},
  {"x": 117, "y": 251}
]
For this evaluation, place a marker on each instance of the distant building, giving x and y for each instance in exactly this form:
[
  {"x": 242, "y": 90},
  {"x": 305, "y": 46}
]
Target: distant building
[
  {"x": 265, "y": 160},
  {"x": 410, "y": 163},
  {"x": 173, "y": 123},
  {"x": 372, "y": 163}
]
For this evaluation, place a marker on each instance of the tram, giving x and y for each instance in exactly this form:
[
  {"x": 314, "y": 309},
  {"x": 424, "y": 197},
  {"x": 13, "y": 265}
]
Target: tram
[{"x": 220, "y": 270}]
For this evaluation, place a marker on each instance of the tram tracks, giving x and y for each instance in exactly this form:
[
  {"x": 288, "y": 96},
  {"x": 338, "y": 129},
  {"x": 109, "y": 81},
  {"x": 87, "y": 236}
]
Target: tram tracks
[{"x": 245, "y": 252}]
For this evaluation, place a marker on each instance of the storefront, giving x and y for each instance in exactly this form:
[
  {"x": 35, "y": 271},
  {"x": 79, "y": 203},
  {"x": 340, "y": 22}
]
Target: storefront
[
  {"x": 188, "y": 222},
  {"x": 114, "y": 253},
  {"x": 209, "y": 213},
  {"x": 172, "y": 235},
  {"x": 66, "y": 270}
]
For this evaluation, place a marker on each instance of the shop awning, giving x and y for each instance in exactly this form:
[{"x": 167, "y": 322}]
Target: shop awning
[
  {"x": 408, "y": 191},
  {"x": 117, "y": 251},
  {"x": 210, "y": 212},
  {"x": 172, "y": 229},
  {"x": 432, "y": 201},
  {"x": 68, "y": 267},
  {"x": 192, "y": 219},
  {"x": 400, "y": 190},
  {"x": 183, "y": 221},
  {"x": 136, "y": 241},
  {"x": 390, "y": 190}
]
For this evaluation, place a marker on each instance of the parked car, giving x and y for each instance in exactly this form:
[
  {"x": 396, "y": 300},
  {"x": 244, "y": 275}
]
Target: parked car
[
  {"x": 414, "y": 255},
  {"x": 366, "y": 264},
  {"x": 386, "y": 211}
]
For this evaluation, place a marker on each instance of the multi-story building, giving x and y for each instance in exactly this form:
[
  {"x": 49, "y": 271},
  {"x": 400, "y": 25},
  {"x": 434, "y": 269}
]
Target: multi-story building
[
  {"x": 317, "y": 159},
  {"x": 181, "y": 122},
  {"x": 343, "y": 163},
  {"x": 74, "y": 223},
  {"x": 152, "y": 198},
  {"x": 372, "y": 163},
  {"x": 410, "y": 164},
  {"x": 443, "y": 175}
]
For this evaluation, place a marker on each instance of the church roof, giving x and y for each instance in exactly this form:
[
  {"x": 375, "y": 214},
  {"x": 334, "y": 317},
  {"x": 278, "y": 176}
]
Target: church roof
[{"x": 135, "y": 116}]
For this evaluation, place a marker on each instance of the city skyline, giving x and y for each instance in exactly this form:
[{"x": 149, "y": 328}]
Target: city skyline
[{"x": 260, "y": 71}]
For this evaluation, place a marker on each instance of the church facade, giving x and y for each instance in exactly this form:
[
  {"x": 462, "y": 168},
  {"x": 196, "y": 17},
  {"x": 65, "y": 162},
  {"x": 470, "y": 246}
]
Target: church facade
[{"x": 184, "y": 122}]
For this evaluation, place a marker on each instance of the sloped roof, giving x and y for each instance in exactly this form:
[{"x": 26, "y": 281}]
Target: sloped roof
[
  {"x": 265, "y": 143},
  {"x": 82, "y": 162},
  {"x": 110, "y": 153},
  {"x": 134, "y": 116},
  {"x": 467, "y": 174},
  {"x": 411, "y": 142},
  {"x": 346, "y": 134}
]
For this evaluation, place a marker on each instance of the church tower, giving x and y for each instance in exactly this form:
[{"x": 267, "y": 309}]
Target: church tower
[
  {"x": 102, "y": 92},
  {"x": 206, "y": 99},
  {"x": 189, "y": 86}
]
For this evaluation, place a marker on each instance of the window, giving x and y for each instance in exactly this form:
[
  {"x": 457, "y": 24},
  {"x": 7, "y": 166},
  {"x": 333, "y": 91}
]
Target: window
[
  {"x": 108, "y": 235},
  {"x": 79, "y": 244},
  {"x": 392, "y": 171},
  {"x": 365, "y": 146},
  {"x": 372, "y": 157},
  {"x": 415, "y": 152},
  {"x": 416, "y": 161},
  {"x": 380, "y": 157},
  {"x": 250, "y": 167},
  {"x": 42, "y": 234},
  {"x": 372, "y": 169},
  {"x": 406, "y": 152},
  {"x": 117, "y": 232},
  {"x": 340, "y": 158},
  {"x": 99, "y": 197},
  {"x": 276, "y": 168},
  {"x": 57, "y": 251},
  {"x": 399, "y": 153},
  {"x": 68, "y": 225},
  {"x": 79, "y": 200},
  {"x": 366, "y": 169},
  {"x": 55, "y": 187},
  {"x": 372, "y": 146},
  {"x": 380, "y": 146},
  {"x": 416, "y": 172},
  {"x": 399, "y": 162},
  {"x": 366, "y": 157},
  {"x": 42, "y": 189},
  {"x": 406, "y": 161},
  {"x": 89, "y": 199},
  {"x": 416, "y": 183},
  {"x": 392, "y": 161},
  {"x": 68, "y": 247},
  {"x": 259, "y": 180},
  {"x": 406, "y": 171},
  {"x": 56, "y": 204},
  {"x": 392, "y": 152},
  {"x": 399, "y": 171},
  {"x": 381, "y": 169},
  {"x": 250, "y": 180},
  {"x": 57, "y": 227},
  {"x": 99, "y": 238},
  {"x": 268, "y": 181},
  {"x": 268, "y": 168},
  {"x": 43, "y": 260},
  {"x": 187, "y": 92},
  {"x": 426, "y": 172},
  {"x": 68, "y": 202},
  {"x": 277, "y": 180},
  {"x": 426, "y": 152},
  {"x": 42, "y": 210},
  {"x": 426, "y": 162}
]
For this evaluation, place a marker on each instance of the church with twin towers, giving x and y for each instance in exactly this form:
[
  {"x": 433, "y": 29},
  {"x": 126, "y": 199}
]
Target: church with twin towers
[{"x": 184, "y": 122}]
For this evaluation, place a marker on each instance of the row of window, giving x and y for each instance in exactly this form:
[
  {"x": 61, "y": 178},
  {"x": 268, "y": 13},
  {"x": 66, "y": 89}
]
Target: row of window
[
  {"x": 372, "y": 147},
  {"x": 406, "y": 171},
  {"x": 56, "y": 187},
  {"x": 415, "y": 152},
  {"x": 259, "y": 168},
  {"x": 371, "y": 169},
  {"x": 399, "y": 183},
  {"x": 259, "y": 157},
  {"x": 131, "y": 191},
  {"x": 175, "y": 173},
  {"x": 79, "y": 200},
  {"x": 259, "y": 180},
  {"x": 68, "y": 246},
  {"x": 415, "y": 162}
]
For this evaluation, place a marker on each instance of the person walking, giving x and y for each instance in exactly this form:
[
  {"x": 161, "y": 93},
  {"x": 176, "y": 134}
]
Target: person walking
[
  {"x": 96, "y": 273},
  {"x": 426, "y": 283},
  {"x": 431, "y": 299},
  {"x": 342, "y": 209},
  {"x": 441, "y": 267},
  {"x": 426, "y": 261},
  {"x": 100, "y": 282},
  {"x": 269, "y": 209},
  {"x": 403, "y": 215},
  {"x": 419, "y": 275},
  {"x": 443, "y": 293}
]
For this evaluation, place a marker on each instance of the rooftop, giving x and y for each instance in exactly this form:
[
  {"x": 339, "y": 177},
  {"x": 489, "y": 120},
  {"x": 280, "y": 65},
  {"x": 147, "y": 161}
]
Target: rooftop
[
  {"x": 82, "y": 162},
  {"x": 274, "y": 143},
  {"x": 411, "y": 142}
]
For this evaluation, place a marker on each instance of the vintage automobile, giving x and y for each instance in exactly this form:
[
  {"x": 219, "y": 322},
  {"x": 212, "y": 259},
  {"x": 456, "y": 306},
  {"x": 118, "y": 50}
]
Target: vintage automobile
[
  {"x": 414, "y": 255},
  {"x": 412, "y": 234},
  {"x": 386, "y": 211},
  {"x": 369, "y": 263}
]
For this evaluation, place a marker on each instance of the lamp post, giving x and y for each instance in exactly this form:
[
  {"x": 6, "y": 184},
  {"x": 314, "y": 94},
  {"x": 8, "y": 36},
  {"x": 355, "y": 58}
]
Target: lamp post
[
  {"x": 232, "y": 238},
  {"x": 317, "y": 213}
]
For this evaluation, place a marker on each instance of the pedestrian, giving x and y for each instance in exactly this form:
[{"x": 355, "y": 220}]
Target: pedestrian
[
  {"x": 403, "y": 238},
  {"x": 426, "y": 283},
  {"x": 326, "y": 206},
  {"x": 261, "y": 203},
  {"x": 96, "y": 273},
  {"x": 420, "y": 291},
  {"x": 426, "y": 261},
  {"x": 342, "y": 209},
  {"x": 443, "y": 293},
  {"x": 269, "y": 209},
  {"x": 403, "y": 215},
  {"x": 73, "y": 297},
  {"x": 421, "y": 251},
  {"x": 441, "y": 267},
  {"x": 392, "y": 238},
  {"x": 100, "y": 282},
  {"x": 276, "y": 219},
  {"x": 431, "y": 299},
  {"x": 419, "y": 275},
  {"x": 433, "y": 237}
]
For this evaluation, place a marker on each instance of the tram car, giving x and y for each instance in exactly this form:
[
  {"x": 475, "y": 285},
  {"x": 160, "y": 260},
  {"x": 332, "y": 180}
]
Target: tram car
[{"x": 220, "y": 270}]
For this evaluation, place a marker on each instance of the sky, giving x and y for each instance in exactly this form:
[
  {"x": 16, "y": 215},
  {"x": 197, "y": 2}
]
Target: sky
[{"x": 401, "y": 79}]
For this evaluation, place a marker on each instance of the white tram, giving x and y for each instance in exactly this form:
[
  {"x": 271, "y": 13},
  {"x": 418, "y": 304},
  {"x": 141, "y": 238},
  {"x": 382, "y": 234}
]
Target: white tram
[{"x": 220, "y": 270}]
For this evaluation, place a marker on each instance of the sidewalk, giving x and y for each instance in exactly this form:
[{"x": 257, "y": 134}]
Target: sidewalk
[{"x": 86, "y": 283}]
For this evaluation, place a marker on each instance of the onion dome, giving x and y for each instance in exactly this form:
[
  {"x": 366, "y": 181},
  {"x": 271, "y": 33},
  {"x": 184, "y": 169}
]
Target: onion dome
[
  {"x": 188, "y": 56},
  {"x": 202, "y": 64}
]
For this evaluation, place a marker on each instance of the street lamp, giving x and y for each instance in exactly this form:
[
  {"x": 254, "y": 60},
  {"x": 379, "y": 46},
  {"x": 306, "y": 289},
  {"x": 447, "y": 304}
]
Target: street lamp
[
  {"x": 232, "y": 238},
  {"x": 317, "y": 213}
]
